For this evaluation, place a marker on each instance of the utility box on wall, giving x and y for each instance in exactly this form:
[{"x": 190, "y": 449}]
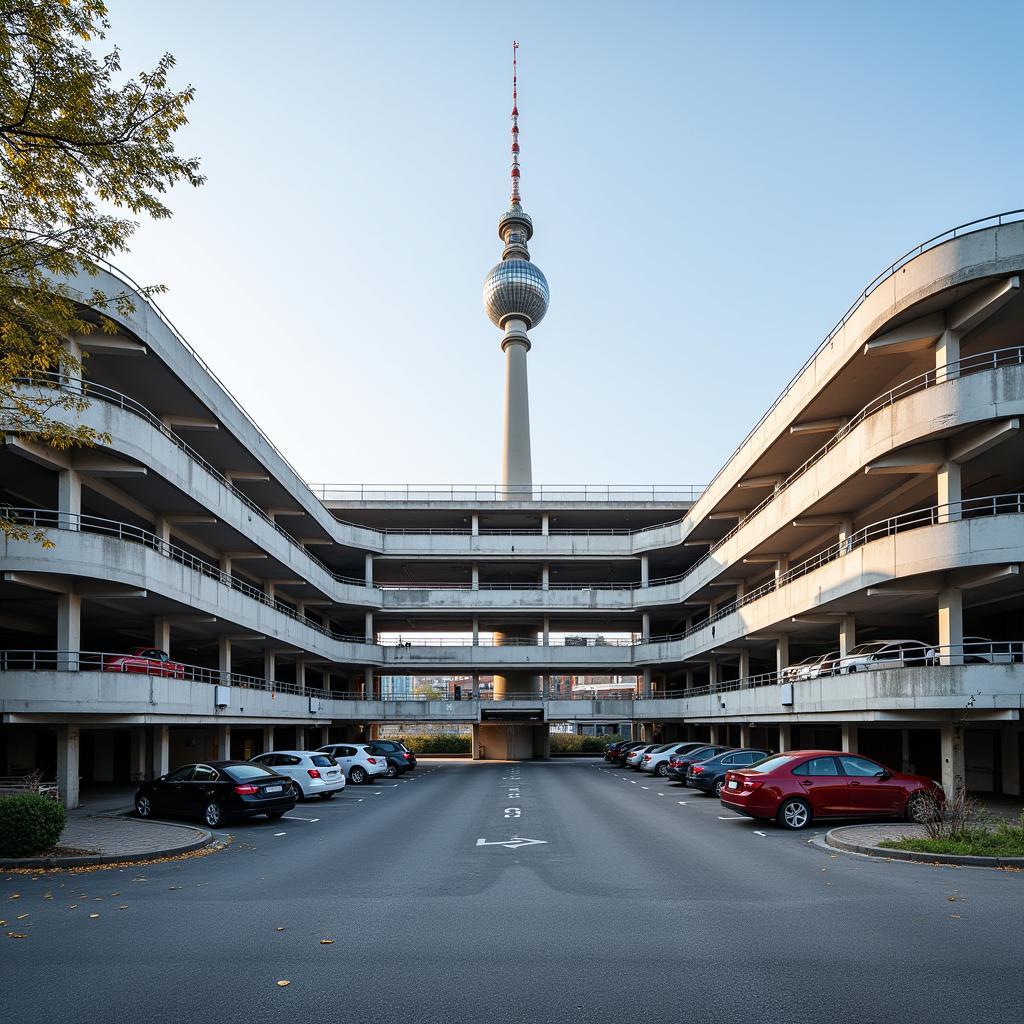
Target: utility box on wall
[
  {"x": 222, "y": 696},
  {"x": 786, "y": 694}
]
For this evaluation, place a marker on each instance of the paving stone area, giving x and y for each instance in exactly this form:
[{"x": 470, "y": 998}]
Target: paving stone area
[
  {"x": 872, "y": 835},
  {"x": 113, "y": 836}
]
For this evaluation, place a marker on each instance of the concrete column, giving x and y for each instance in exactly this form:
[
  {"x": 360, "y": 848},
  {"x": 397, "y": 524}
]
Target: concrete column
[
  {"x": 72, "y": 369},
  {"x": 713, "y": 732},
  {"x": 69, "y": 498},
  {"x": 947, "y": 350},
  {"x": 688, "y": 678},
  {"x": 69, "y": 631},
  {"x": 545, "y": 577},
  {"x": 137, "y": 765},
  {"x": 546, "y": 632},
  {"x": 516, "y": 462},
  {"x": 368, "y": 569},
  {"x": 781, "y": 567},
  {"x": 646, "y": 686},
  {"x": 781, "y": 653},
  {"x": 953, "y": 770},
  {"x": 224, "y": 658},
  {"x": 161, "y": 633},
  {"x": 269, "y": 666},
  {"x": 162, "y": 529},
  {"x": 545, "y": 525},
  {"x": 849, "y": 738},
  {"x": 712, "y": 670},
  {"x": 645, "y": 626},
  {"x": 476, "y": 685},
  {"x": 161, "y": 752},
  {"x": 905, "y": 752},
  {"x": 223, "y": 742},
  {"x": 745, "y": 735},
  {"x": 785, "y": 738},
  {"x": 67, "y": 765},
  {"x": 225, "y": 565},
  {"x": 744, "y": 664},
  {"x": 845, "y": 531},
  {"x": 368, "y": 634},
  {"x": 300, "y": 672},
  {"x": 268, "y": 739},
  {"x": 951, "y": 626},
  {"x": 948, "y": 492},
  {"x": 476, "y": 630},
  {"x": 372, "y": 684},
  {"x": 645, "y": 571},
  {"x": 1011, "y": 759},
  {"x": 268, "y": 589},
  {"x": 474, "y": 528},
  {"x": 476, "y": 575},
  {"x": 476, "y": 755},
  {"x": 847, "y": 633}
]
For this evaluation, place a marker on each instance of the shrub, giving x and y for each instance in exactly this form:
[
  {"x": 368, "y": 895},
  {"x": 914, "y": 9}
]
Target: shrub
[
  {"x": 571, "y": 743},
  {"x": 439, "y": 743},
  {"x": 29, "y": 824}
]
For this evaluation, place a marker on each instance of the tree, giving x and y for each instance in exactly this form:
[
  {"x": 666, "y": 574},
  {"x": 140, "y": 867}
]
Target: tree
[{"x": 83, "y": 151}]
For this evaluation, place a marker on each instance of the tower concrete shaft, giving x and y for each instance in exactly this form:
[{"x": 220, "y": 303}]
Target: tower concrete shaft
[{"x": 516, "y": 462}]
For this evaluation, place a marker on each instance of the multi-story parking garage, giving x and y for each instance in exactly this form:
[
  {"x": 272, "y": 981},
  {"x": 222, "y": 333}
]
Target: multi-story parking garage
[{"x": 880, "y": 497}]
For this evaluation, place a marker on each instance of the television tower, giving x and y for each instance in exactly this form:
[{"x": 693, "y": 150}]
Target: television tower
[{"x": 516, "y": 298}]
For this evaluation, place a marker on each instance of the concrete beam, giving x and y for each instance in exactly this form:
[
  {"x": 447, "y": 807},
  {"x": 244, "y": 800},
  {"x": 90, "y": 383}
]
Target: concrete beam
[
  {"x": 973, "y": 310},
  {"x": 190, "y": 519},
  {"x": 918, "y": 334},
  {"x": 976, "y": 442},
  {"x": 768, "y": 558},
  {"x": 315, "y": 541},
  {"x": 246, "y": 476},
  {"x": 95, "y": 464},
  {"x": 968, "y": 578},
  {"x": 249, "y": 556},
  {"x": 759, "y": 481},
  {"x": 41, "y": 454},
  {"x": 821, "y": 521},
  {"x": 904, "y": 590},
  {"x": 826, "y": 426},
  {"x": 728, "y": 516},
  {"x": 697, "y": 543},
  {"x": 40, "y": 581},
  {"x": 916, "y": 458},
  {"x": 190, "y": 423},
  {"x": 119, "y": 496},
  {"x": 285, "y": 512},
  {"x": 110, "y": 345}
]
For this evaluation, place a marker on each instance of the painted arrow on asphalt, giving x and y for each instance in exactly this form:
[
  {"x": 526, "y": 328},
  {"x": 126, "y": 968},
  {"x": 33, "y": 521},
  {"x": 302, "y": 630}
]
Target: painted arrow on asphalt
[{"x": 514, "y": 843}]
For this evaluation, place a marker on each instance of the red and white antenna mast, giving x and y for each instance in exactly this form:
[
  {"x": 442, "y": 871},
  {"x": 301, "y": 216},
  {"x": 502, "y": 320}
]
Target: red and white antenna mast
[{"x": 515, "y": 128}]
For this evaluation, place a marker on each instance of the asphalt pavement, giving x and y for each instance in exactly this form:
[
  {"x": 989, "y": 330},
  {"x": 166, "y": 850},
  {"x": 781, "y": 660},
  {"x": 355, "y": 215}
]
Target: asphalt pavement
[{"x": 500, "y": 892}]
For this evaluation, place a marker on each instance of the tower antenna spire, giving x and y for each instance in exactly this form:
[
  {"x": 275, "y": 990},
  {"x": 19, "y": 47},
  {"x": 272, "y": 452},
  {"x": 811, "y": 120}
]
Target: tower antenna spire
[{"x": 515, "y": 127}]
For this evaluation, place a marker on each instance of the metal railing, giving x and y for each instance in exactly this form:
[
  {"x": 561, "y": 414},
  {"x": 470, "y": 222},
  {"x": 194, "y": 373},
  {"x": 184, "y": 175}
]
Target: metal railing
[
  {"x": 994, "y": 220},
  {"x": 971, "y": 508},
  {"x": 506, "y": 492},
  {"x": 488, "y": 641},
  {"x": 52, "y": 519},
  {"x": 989, "y": 652}
]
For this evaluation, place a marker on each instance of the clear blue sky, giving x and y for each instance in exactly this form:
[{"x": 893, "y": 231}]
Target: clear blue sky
[{"x": 711, "y": 185}]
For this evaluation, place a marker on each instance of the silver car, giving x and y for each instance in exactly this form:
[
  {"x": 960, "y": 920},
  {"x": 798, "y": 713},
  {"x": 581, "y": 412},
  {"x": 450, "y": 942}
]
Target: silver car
[
  {"x": 312, "y": 773},
  {"x": 883, "y": 654}
]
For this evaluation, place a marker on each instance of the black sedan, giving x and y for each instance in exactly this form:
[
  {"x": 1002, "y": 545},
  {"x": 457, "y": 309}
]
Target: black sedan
[
  {"x": 679, "y": 764},
  {"x": 215, "y": 791},
  {"x": 709, "y": 775},
  {"x": 625, "y": 749}
]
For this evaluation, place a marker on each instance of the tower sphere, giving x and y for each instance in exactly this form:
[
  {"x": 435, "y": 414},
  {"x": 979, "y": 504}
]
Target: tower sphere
[{"x": 516, "y": 289}]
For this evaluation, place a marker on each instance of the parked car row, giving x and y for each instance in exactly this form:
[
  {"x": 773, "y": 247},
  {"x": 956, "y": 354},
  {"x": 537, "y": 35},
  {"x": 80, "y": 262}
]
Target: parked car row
[
  {"x": 879, "y": 654},
  {"x": 792, "y": 788},
  {"x": 270, "y": 783}
]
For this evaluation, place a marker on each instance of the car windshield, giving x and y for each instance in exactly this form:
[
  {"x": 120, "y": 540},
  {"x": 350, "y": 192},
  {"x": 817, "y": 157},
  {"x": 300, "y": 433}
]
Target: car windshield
[
  {"x": 769, "y": 764},
  {"x": 241, "y": 772},
  {"x": 323, "y": 760},
  {"x": 866, "y": 648},
  {"x": 664, "y": 747}
]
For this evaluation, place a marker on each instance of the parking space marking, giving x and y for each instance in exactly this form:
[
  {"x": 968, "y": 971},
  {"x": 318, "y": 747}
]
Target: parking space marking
[
  {"x": 280, "y": 834},
  {"x": 293, "y": 817},
  {"x": 720, "y": 818},
  {"x": 682, "y": 803},
  {"x": 765, "y": 834}
]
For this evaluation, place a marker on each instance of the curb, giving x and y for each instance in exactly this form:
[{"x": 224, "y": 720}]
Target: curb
[
  {"x": 838, "y": 842},
  {"x": 205, "y": 839}
]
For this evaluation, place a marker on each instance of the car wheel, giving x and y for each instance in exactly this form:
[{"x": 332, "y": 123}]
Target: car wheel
[
  {"x": 795, "y": 815},
  {"x": 719, "y": 786},
  {"x": 357, "y": 776},
  {"x": 391, "y": 771},
  {"x": 663, "y": 770},
  {"x": 327, "y": 796},
  {"x": 918, "y": 810},
  {"x": 297, "y": 790},
  {"x": 212, "y": 814},
  {"x": 144, "y": 807}
]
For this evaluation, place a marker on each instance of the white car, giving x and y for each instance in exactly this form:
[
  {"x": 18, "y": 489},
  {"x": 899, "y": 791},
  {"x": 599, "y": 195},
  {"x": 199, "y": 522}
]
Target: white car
[
  {"x": 883, "y": 654},
  {"x": 656, "y": 761},
  {"x": 636, "y": 756},
  {"x": 312, "y": 773},
  {"x": 812, "y": 668},
  {"x": 357, "y": 761},
  {"x": 978, "y": 650}
]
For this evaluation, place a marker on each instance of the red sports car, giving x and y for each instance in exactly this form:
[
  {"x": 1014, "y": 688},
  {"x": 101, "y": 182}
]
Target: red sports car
[
  {"x": 149, "y": 661},
  {"x": 798, "y": 786}
]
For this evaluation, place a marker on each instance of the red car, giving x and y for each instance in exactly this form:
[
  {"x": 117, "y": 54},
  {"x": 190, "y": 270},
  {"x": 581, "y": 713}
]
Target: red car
[
  {"x": 150, "y": 661},
  {"x": 798, "y": 786}
]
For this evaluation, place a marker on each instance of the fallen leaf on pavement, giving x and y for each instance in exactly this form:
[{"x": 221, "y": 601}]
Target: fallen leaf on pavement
[
  {"x": 124, "y": 906},
  {"x": 283, "y": 984},
  {"x": 21, "y": 917},
  {"x": 16, "y": 935},
  {"x": 326, "y": 942},
  {"x": 279, "y": 929},
  {"x": 15, "y": 896}
]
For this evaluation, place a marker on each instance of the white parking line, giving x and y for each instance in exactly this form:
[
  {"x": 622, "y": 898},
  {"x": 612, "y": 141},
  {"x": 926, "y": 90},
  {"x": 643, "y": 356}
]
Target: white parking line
[
  {"x": 682, "y": 803},
  {"x": 720, "y": 818},
  {"x": 280, "y": 833},
  {"x": 765, "y": 834},
  {"x": 295, "y": 817}
]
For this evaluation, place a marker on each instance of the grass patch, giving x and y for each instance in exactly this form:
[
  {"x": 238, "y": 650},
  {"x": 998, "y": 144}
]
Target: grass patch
[{"x": 1005, "y": 840}]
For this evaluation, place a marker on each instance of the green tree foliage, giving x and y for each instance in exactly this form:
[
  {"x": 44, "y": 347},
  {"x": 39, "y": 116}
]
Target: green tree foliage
[
  {"x": 29, "y": 824},
  {"x": 84, "y": 151}
]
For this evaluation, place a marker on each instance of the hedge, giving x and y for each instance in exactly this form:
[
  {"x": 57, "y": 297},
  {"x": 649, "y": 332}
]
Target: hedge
[
  {"x": 439, "y": 743},
  {"x": 572, "y": 743},
  {"x": 29, "y": 824}
]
